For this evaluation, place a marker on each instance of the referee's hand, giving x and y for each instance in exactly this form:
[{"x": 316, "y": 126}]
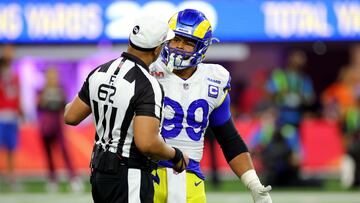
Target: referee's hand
[{"x": 182, "y": 164}]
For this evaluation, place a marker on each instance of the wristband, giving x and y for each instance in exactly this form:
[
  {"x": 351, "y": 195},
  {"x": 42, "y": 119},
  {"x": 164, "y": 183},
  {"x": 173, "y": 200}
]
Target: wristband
[{"x": 178, "y": 156}]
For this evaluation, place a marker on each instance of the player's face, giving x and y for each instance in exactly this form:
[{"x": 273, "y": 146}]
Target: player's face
[{"x": 182, "y": 43}]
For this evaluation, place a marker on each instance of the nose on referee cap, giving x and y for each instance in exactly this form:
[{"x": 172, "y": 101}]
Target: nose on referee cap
[{"x": 149, "y": 32}]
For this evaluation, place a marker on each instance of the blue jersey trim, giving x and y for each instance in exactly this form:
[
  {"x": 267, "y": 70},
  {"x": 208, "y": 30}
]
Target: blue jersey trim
[
  {"x": 193, "y": 167},
  {"x": 221, "y": 114}
]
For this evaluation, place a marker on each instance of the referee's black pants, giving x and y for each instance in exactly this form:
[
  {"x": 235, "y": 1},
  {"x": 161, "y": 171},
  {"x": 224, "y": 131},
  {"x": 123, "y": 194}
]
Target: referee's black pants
[{"x": 128, "y": 185}]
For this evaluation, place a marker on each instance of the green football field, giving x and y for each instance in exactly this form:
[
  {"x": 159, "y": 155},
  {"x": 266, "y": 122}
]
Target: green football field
[
  {"x": 33, "y": 191},
  {"x": 212, "y": 197}
]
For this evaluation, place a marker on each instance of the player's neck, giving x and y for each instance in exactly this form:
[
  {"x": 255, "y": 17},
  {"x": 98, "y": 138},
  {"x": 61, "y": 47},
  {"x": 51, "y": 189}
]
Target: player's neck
[{"x": 185, "y": 73}]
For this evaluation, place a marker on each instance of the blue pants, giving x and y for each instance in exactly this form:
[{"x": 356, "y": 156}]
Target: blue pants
[{"x": 9, "y": 135}]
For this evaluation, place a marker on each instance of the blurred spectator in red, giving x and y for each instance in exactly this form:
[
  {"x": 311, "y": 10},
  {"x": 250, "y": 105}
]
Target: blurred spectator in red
[
  {"x": 9, "y": 109},
  {"x": 51, "y": 103},
  {"x": 254, "y": 97}
]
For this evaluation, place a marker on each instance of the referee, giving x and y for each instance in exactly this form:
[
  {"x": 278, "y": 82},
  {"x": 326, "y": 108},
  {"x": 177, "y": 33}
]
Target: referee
[{"x": 126, "y": 103}]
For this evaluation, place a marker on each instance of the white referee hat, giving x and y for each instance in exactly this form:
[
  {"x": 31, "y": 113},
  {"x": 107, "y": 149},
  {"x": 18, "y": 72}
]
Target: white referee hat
[{"x": 149, "y": 32}]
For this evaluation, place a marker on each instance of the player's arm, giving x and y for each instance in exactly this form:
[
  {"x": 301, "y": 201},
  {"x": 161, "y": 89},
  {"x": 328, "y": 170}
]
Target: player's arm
[
  {"x": 236, "y": 151},
  {"x": 233, "y": 147}
]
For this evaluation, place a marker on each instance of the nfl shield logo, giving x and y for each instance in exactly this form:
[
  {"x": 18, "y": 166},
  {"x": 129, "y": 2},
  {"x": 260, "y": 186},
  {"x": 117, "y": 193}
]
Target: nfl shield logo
[{"x": 186, "y": 86}]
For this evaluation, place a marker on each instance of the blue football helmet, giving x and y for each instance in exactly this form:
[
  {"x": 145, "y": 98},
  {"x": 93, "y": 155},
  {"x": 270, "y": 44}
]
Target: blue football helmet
[{"x": 191, "y": 24}]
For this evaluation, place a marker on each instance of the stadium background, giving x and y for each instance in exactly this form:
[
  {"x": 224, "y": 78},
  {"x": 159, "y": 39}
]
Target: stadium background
[{"x": 255, "y": 36}]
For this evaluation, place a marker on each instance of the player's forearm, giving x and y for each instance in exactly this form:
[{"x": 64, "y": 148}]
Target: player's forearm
[
  {"x": 241, "y": 163},
  {"x": 244, "y": 169},
  {"x": 229, "y": 139}
]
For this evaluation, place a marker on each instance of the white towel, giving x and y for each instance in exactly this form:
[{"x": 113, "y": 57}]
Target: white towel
[{"x": 176, "y": 186}]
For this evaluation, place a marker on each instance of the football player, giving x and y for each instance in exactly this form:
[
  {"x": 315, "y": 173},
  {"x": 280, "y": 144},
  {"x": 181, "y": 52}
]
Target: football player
[{"x": 196, "y": 96}]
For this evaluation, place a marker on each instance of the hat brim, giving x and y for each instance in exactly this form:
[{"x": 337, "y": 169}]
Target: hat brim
[{"x": 170, "y": 35}]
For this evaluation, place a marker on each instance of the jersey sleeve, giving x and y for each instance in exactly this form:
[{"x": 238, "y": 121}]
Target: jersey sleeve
[
  {"x": 149, "y": 101},
  {"x": 221, "y": 114},
  {"x": 84, "y": 93},
  {"x": 224, "y": 77}
]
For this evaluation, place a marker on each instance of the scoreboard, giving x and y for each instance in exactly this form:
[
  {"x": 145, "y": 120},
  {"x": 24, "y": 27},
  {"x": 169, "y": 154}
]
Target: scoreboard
[{"x": 92, "y": 21}]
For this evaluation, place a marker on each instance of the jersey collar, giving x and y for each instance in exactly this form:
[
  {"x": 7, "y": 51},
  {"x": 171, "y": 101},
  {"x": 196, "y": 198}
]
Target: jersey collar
[{"x": 135, "y": 59}]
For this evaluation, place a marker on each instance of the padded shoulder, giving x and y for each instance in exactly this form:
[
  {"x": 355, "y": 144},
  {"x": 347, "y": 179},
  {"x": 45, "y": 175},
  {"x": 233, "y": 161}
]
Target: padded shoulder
[{"x": 217, "y": 73}]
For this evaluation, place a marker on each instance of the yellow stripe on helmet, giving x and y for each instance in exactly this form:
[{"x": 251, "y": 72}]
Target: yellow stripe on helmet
[
  {"x": 201, "y": 29},
  {"x": 173, "y": 21}
]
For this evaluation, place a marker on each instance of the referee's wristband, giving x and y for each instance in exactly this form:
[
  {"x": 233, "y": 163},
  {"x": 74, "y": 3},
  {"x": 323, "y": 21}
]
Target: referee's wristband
[{"x": 178, "y": 156}]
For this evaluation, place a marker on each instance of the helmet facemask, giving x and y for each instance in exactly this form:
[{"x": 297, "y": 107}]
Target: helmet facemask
[{"x": 178, "y": 59}]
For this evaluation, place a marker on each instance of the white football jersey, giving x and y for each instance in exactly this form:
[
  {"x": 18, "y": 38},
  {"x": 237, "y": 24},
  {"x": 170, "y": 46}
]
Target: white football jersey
[{"x": 188, "y": 104}]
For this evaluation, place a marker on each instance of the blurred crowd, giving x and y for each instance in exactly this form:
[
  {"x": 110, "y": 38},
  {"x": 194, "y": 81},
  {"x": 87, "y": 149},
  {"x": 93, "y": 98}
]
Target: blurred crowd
[
  {"x": 50, "y": 105},
  {"x": 280, "y": 98}
]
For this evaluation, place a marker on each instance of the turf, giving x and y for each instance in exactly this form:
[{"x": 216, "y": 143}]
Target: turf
[
  {"x": 230, "y": 191},
  {"x": 39, "y": 186}
]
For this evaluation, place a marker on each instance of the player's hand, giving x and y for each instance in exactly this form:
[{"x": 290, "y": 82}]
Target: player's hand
[
  {"x": 181, "y": 165},
  {"x": 260, "y": 194}
]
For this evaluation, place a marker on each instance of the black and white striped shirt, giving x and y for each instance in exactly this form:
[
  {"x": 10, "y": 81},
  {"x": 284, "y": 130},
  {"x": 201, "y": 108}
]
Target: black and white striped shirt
[{"x": 117, "y": 91}]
